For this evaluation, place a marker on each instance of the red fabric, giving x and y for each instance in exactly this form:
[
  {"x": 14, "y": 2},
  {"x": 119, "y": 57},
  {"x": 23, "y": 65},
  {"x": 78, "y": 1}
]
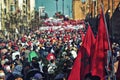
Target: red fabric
[
  {"x": 82, "y": 35},
  {"x": 87, "y": 49},
  {"x": 99, "y": 57},
  {"x": 118, "y": 71},
  {"x": 77, "y": 73}
]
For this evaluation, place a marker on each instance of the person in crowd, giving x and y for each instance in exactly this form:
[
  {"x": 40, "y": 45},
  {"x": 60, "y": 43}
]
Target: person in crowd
[
  {"x": 29, "y": 51},
  {"x": 2, "y": 74},
  {"x": 88, "y": 76},
  {"x": 51, "y": 69},
  {"x": 34, "y": 63},
  {"x": 17, "y": 77},
  {"x": 37, "y": 76}
]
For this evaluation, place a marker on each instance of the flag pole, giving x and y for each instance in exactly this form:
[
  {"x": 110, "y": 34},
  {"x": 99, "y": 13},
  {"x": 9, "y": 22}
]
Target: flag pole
[{"x": 109, "y": 53}]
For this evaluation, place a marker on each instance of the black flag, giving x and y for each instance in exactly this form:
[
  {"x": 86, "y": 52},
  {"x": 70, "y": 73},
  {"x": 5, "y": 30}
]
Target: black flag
[{"x": 115, "y": 24}]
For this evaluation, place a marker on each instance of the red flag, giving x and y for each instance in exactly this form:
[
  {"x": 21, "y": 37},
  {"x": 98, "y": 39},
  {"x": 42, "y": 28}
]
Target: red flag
[
  {"x": 81, "y": 65},
  {"x": 75, "y": 72},
  {"x": 99, "y": 58},
  {"x": 82, "y": 35},
  {"x": 87, "y": 49},
  {"x": 118, "y": 70}
]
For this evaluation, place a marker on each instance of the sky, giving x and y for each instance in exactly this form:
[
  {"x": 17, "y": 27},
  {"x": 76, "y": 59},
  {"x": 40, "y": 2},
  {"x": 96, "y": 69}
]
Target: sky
[{"x": 50, "y": 6}]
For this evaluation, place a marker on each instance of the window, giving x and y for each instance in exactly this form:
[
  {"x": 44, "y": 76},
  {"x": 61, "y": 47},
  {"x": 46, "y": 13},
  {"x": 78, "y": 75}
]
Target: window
[
  {"x": 5, "y": 10},
  {"x": 5, "y": 1},
  {"x": 12, "y": 8}
]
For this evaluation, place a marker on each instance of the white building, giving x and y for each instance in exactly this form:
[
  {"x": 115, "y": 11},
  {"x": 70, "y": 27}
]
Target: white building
[
  {"x": 32, "y": 8},
  {"x": 20, "y": 4},
  {"x": 22, "y": 9},
  {"x": 28, "y": 4},
  {"x": 27, "y": 9},
  {"x": 32, "y": 5},
  {"x": 0, "y": 16}
]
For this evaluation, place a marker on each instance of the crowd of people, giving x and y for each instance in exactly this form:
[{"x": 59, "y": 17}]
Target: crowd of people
[{"x": 43, "y": 53}]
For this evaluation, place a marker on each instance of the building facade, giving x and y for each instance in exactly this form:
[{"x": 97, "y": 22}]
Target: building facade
[
  {"x": 16, "y": 13},
  {"x": 0, "y": 16},
  {"x": 81, "y": 8}
]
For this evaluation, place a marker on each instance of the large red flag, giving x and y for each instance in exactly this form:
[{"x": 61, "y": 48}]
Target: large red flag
[
  {"x": 118, "y": 70},
  {"x": 82, "y": 63},
  {"x": 82, "y": 35},
  {"x": 75, "y": 72},
  {"x": 99, "y": 58}
]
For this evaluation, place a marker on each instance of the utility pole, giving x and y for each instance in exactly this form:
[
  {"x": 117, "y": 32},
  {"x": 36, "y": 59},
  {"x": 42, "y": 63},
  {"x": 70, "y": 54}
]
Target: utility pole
[
  {"x": 56, "y": 6},
  {"x": 63, "y": 6},
  {"x": 108, "y": 4},
  {"x": 68, "y": 6},
  {"x": 112, "y": 6}
]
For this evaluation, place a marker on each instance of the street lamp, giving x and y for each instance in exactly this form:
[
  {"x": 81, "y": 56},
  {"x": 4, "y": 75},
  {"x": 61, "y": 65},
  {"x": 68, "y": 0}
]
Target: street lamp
[
  {"x": 68, "y": 6},
  {"x": 56, "y": 5},
  {"x": 63, "y": 6}
]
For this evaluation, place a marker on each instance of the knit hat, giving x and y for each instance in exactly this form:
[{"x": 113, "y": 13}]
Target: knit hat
[{"x": 38, "y": 76}]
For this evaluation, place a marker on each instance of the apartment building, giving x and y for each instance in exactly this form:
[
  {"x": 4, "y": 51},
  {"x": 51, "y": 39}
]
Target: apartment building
[
  {"x": 81, "y": 8},
  {"x": 16, "y": 13}
]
